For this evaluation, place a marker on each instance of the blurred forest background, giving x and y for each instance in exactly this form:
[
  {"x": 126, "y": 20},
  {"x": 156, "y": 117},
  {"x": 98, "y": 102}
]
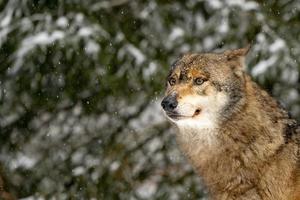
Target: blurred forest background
[{"x": 81, "y": 83}]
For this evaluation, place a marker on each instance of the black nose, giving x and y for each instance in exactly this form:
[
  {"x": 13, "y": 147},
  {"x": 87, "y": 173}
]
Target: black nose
[{"x": 169, "y": 103}]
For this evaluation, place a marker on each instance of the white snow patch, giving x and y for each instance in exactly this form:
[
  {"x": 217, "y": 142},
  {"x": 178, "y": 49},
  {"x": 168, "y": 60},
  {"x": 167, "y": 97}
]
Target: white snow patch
[
  {"x": 62, "y": 22},
  {"x": 114, "y": 166},
  {"x": 224, "y": 27},
  {"x": 155, "y": 144},
  {"x": 245, "y": 5},
  {"x": 43, "y": 38},
  {"x": 79, "y": 17},
  {"x": 136, "y": 53},
  {"x": 216, "y": 4},
  {"x": 85, "y": 32},
  {"x": 95, "y": 176},
  {"x": 78, "y": 171},
  {"x": 91, "y": 47},
  {"x": 261, "y": 38},
  {"x": 78, "y": 156},
  {"x": 151, "y": 69},
  {"x": 9, "y": 119},
  {"x": 153, "y": 114},
  {"x": 29, "y": 43},
  {"x": 290, "y": 75},
  {"x": 146, "y": 12},
  {"x": 185, "y": 48},
  {"x": 102, "y": 120},
  {"x": 147, "y": 189},
  {"x": 23, "y": 160},
  {"x": 263, "y": 66},
  {"x": 208, "y": 42},
  {"x": 293, "y": 95},
  {"x": 277, "y": 45},
  {"x": 33, "y": 198},
  {"x": 6, "y": 19},
  {"x": 78, "y": 129},
  {"x": 200, "y": 22},
  {"x": 176, "y": 33},
  {"x": 54, "y": 131},
  {"x": 3, "y": 34},
  {"x": 91, "y": 162}
]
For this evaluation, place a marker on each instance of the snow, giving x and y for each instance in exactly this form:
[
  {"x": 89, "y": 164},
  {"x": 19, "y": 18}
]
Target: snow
[
  {"x": 245, "y": 5},
  {"x": 223, "y": 28},
  {"x": 261, "y": 38},
  {"x": 77, "y": 110},
  {"x": 7, "y": 19},
  {"x": 150, "y": 70},
  {"x": 54, "y": 131},
  {"x": 103, "y": 119},
  {"x": 136, "y": 53},
  {"x": 22, "y": 160},
  {"x": 114, "y": 166},
  {"x": 176, "y": 33},
  {"x": 78, "y": 156},
  {"x": 32, "y": 198},
  {"x": 290, "y": 75},
  {"x": 91, "y": 47},
  {"x": 200, "y": 22},
  {"x": 153, "y": 114},
  {"x": 92, "y": 161},
  {"x": 62, "y": 22},
  {"x": 293, "y": 95},
  {"x": 277, "y": 45},
  {"x": 30, "y": 42},
  {"x": 9, "y": 119},
  {"x": 147, "y": 189},
  {"x": 216, "y": 4},
  {"x": 40, "y": 38},
  {"x": 263, "y": 66},
  {"x": 78, "y": 171},
  {"x": 155, "y": 144},
  {"x": 208, "y": 42},
  {"x": 144, "y": 14},
  {"x": 85, "y": 31},
  {"x": 3, "y": 34},
  {"x": 79, "y": 17}
]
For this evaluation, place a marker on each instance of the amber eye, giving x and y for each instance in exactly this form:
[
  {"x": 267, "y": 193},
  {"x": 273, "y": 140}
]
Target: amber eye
[
  {"x": 172, "y": 81},
  {"x": 199, "y": 81}
]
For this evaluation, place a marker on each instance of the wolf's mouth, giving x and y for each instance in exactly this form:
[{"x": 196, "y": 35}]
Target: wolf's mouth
[{"x": 177, "y": 116}]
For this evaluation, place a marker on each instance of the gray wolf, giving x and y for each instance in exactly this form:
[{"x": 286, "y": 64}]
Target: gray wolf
[{"x": 236, "y": 136}]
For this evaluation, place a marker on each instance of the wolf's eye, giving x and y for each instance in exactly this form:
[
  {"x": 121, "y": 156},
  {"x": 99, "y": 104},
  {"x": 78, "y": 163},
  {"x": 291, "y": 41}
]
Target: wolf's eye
[
  {"x": 199, "y": 81},
  {"x": 172, "y": 81}
]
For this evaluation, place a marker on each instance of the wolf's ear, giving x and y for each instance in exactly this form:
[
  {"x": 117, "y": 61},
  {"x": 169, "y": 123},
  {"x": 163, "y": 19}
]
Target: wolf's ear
[{"x": 238, "y": 55}]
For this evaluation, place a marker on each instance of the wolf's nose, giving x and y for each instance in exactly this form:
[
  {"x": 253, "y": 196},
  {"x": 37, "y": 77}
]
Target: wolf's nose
[{"x": 169, "y": 103}]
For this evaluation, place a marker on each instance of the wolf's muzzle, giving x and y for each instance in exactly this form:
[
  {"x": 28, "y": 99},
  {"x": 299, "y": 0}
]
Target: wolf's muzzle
[{"x": 169, "y": 103}]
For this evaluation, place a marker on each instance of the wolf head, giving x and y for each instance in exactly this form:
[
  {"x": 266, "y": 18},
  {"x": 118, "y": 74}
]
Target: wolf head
[{"x": 204, "y": 90}]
